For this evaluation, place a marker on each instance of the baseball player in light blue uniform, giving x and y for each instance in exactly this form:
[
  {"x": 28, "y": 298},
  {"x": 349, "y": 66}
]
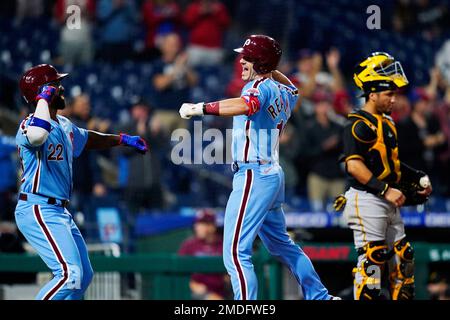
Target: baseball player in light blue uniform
[
  {"x": 254, "y": 207},
  {"x": 47, "y": 144}
]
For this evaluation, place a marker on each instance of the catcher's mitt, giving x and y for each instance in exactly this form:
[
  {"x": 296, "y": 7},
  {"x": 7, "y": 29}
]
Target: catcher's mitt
[{"x": 411, "y": 189}]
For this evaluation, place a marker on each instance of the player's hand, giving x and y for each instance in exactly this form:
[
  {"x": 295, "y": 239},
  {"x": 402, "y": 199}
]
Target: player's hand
[
  {"x": 395, "y": 197},
  {"x": 425, "y": 183},
  {"x": 188, "y": 110},
  {"x": 47, "y": 93},
  {"x": 134, "y": 141}
]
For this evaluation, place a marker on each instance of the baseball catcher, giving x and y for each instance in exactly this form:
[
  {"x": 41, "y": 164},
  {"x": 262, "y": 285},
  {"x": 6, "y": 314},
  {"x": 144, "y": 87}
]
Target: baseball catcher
[{"x": 379, "y": 184}]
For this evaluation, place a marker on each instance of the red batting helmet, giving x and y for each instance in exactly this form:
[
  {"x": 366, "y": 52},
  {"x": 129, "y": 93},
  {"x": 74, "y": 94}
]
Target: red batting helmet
[
  {"x": 35, "y": 77},
  {"x": 263, "y": 51}
]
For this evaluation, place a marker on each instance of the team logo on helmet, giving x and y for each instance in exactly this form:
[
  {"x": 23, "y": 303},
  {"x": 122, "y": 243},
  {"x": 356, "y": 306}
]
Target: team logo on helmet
[
  {"x": 36, "y": 77},
  {"x": 263, "y": 51}
]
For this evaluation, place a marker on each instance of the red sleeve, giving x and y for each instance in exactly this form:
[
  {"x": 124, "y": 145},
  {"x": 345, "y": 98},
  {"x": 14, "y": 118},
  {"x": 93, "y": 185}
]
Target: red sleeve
[
  {"x": 59, "y": 11},
  {"x": 222, "y": 16},
  {"x": 192, "y": 14},
  {"x": 147, "y": 13},
  {"x": 186, "y": 248}
]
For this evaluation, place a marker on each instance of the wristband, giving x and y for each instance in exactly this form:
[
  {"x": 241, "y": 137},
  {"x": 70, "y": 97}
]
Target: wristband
[
  {"x": 211, "y": 108},
  {"x": 36, "y": 122},
  {"x": 379, "y": 186}
]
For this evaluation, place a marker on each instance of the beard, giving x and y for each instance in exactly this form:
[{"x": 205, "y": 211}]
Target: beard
[{"x": 59, "y": 103}]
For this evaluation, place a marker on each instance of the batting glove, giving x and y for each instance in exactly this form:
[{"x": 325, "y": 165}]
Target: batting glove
[
  {"x": 188, "y": 110},
  {"x": 134, "y": 141},
  {"x": 47, "y": 93}
]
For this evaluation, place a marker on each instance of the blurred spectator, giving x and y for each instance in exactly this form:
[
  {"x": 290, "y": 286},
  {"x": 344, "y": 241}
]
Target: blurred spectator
[
  {"x": 431, "y": 17},
  {"x": 289, "y": 149},
  {"x": 323, "y": 135},
  {"x": 310, "y": 77},
  {"x": 403, "y": 19},
  {"x": 87, "y": 179},
  {"x": 173, "y": 79},
  {"x": 141, "y": 176},
  {"x": 29, "y": 9},
  {"x": 236, "y": 83},
  {"x": 205, "y": 242},
  {"x": 116, "y": 21},
  {"x": 76, "y": 44},
  {"x": 437, "y": 286},
  {"x": 420, "y": 137},
  {"x": 160, "y": 17},
  {"x": 441, "y": 76},
  {"x": 8, "y": 181},
  {"x": 207, "y": 21},
  {"x": 402, "y": 108}
]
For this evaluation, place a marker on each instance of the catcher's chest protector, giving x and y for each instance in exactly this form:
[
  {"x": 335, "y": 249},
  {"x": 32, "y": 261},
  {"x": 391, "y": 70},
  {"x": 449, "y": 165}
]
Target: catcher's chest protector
[{"x": 382, "y": 156}]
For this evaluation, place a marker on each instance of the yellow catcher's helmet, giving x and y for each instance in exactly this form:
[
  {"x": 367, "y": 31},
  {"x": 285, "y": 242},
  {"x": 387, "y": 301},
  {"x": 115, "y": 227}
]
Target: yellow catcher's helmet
[{"x": 379, "y": 72}]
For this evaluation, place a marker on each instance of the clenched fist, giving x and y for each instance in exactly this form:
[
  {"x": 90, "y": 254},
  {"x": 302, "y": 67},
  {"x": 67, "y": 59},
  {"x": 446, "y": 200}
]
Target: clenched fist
[{"x": 188, "y": 110}]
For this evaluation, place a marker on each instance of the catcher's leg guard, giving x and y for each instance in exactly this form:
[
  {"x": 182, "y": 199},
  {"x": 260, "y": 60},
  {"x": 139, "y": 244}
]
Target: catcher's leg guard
[
  {"x": 367, "y": 274},
  {"x": 402, "y": 276}
]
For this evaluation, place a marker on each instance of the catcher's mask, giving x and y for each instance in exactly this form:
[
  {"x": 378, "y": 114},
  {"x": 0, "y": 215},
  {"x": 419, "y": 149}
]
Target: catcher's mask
[{"x": 379, "y": 72}]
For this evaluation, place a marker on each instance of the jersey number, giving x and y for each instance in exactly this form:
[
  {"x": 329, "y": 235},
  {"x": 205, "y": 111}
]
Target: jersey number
[{"x": 52, "y": 149}]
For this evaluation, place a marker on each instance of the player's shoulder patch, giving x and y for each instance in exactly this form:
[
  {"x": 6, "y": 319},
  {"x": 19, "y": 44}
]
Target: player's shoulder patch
[
  {"x": 24, "y": 123},
  {"x": 364, "y": 131}
]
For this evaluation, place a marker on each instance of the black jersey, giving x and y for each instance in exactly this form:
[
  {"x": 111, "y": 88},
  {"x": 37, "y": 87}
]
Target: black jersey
[{"x": 373, "y": 139}]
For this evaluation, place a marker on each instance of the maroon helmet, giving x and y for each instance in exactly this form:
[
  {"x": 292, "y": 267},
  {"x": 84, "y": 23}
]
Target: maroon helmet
[
  {"x": 35, "y": 77},
  {"x": 263, "y": 51}
]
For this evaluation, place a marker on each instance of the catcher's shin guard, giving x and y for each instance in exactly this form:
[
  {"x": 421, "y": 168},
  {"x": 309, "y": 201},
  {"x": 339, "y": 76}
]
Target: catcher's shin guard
[
  {"x": 367, "y": 274},
  {"x": 402, "y": 276}
]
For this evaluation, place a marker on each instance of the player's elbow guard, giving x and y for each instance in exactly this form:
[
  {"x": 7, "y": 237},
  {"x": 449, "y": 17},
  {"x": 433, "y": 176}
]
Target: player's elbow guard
[{"x": 37, "y": 136}]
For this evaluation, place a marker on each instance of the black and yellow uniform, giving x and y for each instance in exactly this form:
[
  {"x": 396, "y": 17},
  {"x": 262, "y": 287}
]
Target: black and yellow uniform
[
  {"x": 373, "y": 139},
  {"x": 378, "y": 228}
]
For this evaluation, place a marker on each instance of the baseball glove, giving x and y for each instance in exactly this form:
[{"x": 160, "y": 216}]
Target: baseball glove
[{"x": 410, "y": 190}]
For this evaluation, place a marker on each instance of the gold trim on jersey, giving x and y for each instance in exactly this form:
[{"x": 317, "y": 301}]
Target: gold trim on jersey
[
  {"x": 381, "y": 148},
  {"x": 359, "y": 218},
  {"x": 379, "y": 144},
  {"x": 394, "y": 157},
  {"x": 354, "y": 156},
  {"x": 358, "y": 138}
]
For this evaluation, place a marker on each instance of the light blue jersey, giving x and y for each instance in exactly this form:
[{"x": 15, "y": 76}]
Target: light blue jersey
[
  {"x": 49, "y": 226},
  {"x": 47, "y": 169},
  {"x": 256, "y": 135},
  {"x": 255, "y": 204}
]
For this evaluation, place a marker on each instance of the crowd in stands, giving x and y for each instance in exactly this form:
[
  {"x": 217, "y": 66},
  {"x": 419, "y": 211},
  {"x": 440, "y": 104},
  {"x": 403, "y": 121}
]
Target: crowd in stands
[{"x": 133, "y": 62}]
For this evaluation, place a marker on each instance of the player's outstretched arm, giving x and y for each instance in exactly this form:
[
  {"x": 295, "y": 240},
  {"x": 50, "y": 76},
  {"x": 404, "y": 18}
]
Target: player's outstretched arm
[
  {"x": 97, "y": 140},
  {"x": 227, "y": 107}
]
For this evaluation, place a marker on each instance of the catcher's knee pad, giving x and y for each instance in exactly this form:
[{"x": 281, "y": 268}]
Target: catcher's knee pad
[
  {"x": 367, "y": 274},
  {"x": 402, "y": 276}
]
